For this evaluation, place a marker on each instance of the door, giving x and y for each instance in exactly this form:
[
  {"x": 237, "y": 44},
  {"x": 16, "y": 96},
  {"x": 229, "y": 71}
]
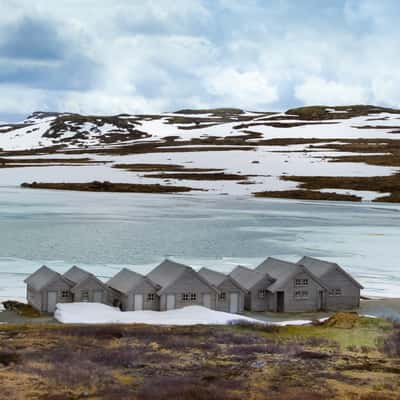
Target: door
[
  {"x": 170, "y": 302},
  {"x": 51, "y": 301},
  {"x": 234, "y": 303},
  {"x": 138, "y": 302},
  {"x": 280, "y": 301},
  {"x": 98, "y": 296},
  {"x": 207, "y": 300},
  {"x": 321, "y": 301}
]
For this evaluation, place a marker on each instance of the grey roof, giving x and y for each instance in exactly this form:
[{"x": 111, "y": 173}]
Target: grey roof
[
  {"x": 320, "y": 268},
  {"x": 42, "y": 277},
  {"x": 247, "y": 277},
  {"x": 76, "y": 274},
  {"x": 281, "y": 271},
  {"x": 126, "y": 280},
  {"x": 167, "y": 272},
  {"x": 216, "y": 278}
]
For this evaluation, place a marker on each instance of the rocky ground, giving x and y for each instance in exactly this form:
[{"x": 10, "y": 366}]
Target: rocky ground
[{"x": 346, "y": 357}]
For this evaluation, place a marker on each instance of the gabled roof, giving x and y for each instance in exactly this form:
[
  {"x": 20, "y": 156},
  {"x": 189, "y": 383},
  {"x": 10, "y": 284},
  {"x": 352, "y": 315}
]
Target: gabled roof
[
  {"x": 166, "y": 273},
  {"x": 89, "y": 277},
  {"x": 76, "y": 274},
  {"x": 282, "y": 271},
  {"x": 217, "y": 278},
  {"x": 247, "y": 277},
  {"x": 43, "y": 277},
  {"x": 321, "y": 268},
  {"x": 126, "y": 280}
]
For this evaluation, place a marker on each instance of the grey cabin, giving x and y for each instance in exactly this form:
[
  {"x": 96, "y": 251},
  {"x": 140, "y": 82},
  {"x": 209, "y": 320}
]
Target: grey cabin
[
  {"x": 256, "y": 283},
  {"x": 343, "y": 290},
  {"x": 131, "y": 291},
  {"x": 86, "y": 288},
  {"x": 45, "y": 288},
  {"x": 275, "y": 285},
  {"x": 294, "y": 287},
  {"x": 181, "y": 286},
  {"x": 231, "y": 294}
]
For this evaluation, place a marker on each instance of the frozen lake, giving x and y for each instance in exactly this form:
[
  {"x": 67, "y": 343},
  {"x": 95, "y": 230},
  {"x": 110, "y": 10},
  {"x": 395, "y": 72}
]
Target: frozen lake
[{"x": 105, "y": 231}]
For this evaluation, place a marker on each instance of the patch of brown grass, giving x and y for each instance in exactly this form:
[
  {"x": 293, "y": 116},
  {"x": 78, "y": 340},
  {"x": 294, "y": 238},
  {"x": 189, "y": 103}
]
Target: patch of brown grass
[
  {"x": 96, "y": 186},
  {"x": 307, "y": 195}
]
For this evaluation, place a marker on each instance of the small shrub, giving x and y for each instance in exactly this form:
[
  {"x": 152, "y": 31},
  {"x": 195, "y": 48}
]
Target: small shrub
[
  {"x": 9, "y": 357},
  {"x": 391, "y": 344},
  {"x": 183, "y": 388}
]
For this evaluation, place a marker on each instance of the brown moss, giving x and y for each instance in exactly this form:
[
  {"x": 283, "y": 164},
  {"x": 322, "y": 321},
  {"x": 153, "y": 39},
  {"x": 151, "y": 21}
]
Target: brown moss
[
  {"x": 307, "y": 195},
  {"x": 217, "y": 176},
  {"x": 109, "y": 187},
  {"x": 382, "y": 184}
]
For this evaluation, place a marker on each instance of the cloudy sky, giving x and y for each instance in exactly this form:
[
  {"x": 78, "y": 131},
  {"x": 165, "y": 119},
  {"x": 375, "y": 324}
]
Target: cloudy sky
[{"x": 102, "y": 56}]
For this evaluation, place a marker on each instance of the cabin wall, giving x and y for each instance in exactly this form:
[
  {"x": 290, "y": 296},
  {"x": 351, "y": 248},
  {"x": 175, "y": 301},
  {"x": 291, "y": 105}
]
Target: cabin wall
[
  {"x": 253, "y": 301},
  {"x": 188, "y": 282},
  {"x": 57, "y": 286},
  {"x": 144, "y": 289},
  {"x": 91, "y": 286},
  {"x": 34, "y": 298},
  {"x": 350, "y": 297},
  {"x": 227, "y": 286},
  {"x": 307, "y": 304}
]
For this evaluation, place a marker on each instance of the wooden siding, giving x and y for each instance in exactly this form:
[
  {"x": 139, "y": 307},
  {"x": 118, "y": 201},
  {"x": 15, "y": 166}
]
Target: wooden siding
[
  {"x": 350, "y": 297},
  {"x": 227, "y": 286},
  {"x": 188, "y": 282}
]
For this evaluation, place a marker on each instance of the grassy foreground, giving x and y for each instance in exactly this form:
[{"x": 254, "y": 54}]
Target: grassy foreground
[{"x": 347, "y": 357}]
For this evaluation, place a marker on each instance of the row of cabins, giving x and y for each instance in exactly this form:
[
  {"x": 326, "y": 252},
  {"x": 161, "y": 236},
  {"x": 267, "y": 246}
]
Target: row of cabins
[{"x": 275, "y": 285}]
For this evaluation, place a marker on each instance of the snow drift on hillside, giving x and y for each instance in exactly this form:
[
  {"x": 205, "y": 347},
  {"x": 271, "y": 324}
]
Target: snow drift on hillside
[{"x": 95, "y": 313}]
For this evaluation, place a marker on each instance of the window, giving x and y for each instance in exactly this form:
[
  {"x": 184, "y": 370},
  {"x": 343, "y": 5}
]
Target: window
[
  {"x": 262, "y": 293},
  {"x": 222, "y": 296},
  {"x": 189, "y": 296},
  {"x": 85, "y": 295},
  {"x": 335, "y": 292},
  {"x": 301, "y": 294},
  {"x": 151, "y": 297},
  {"x": 301, "y": 282},
  {"x": 65, "y": 294},
  {"x": 185, "y": 296}
]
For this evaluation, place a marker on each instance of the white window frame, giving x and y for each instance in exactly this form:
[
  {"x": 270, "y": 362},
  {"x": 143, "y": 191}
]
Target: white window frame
[
  {"x": 262, "y": 293},
  {"x": 151, "y": 296},
  {"x": 301, "y": 294},
  {"x": 222, "y": 296},
  {"x": 65, "y": 294},
  {"x": 301, "y": 282}
]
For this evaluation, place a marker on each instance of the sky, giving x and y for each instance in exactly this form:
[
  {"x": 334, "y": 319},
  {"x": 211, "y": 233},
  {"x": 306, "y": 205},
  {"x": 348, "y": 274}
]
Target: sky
[{"x": 142, "y": 56}]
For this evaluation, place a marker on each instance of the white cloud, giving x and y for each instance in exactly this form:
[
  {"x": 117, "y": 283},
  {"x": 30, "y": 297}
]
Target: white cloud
[
  {"x": 316, "y": 90},
  {"x": 247, "y": 88}
]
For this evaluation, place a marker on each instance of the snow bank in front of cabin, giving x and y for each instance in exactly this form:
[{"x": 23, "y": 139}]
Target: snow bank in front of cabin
[{"x": 96, "y": 313}]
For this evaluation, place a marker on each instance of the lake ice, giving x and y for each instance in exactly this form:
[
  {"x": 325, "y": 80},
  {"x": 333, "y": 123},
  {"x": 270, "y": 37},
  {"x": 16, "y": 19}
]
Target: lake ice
[{"x": 104, "y": 232}]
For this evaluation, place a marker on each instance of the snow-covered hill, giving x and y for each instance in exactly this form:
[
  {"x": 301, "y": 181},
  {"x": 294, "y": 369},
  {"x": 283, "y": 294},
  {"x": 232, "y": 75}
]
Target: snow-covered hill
[{"x": 220, "y": 150}]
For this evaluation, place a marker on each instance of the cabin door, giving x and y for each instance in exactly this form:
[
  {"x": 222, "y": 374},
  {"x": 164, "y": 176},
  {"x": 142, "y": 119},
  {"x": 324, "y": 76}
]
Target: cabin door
[
  {"x": 51, "y": 301},
  {"x": 321, "y": 301},
  {"x": 97, "y": 296},
  {"x": 234, "y": 303},
  {"x": 207, "y": 300},
  {"x": 280, "y": 301},
  {"x": 138, "y": 302},
  {"x": 170, "y": 302}
]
